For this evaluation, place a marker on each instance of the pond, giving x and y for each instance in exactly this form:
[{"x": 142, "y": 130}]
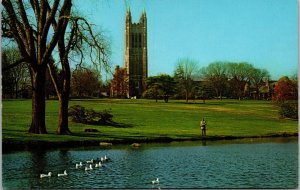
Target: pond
[{"x": 251, "y": 163}]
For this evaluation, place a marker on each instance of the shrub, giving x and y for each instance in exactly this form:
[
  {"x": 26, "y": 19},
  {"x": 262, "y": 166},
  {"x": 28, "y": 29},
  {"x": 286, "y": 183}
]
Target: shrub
[
  {"x": 289, "y": 109},
  {"x": 89, "y": 116}
]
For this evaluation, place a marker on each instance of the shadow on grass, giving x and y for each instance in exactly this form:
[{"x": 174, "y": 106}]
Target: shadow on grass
[
  {"x": 191, "y": 102},
  {"x": 89, "y": 135},
  {"x": 15, "y": 100},
  {"x": 215, "y": 103},
  {"x": 110, "y": 124},
  {"x": 121, "y": 125}
]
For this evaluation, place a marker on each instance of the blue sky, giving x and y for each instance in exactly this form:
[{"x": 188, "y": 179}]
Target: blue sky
[{"x": 261, "y": 32}]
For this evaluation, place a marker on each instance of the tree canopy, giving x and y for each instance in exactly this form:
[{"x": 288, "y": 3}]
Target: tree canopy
[
  {"x": 285, "y": 89},
  {"x": 233, "y": 79},
  {"x": 160, "y": 86}
]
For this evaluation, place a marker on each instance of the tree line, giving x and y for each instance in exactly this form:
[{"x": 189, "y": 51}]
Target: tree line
[
  {"x": 85, "y": 82},
  {"x": 236, "y": 80}
]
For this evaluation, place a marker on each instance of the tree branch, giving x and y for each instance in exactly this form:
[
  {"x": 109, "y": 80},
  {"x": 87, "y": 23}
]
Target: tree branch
[
  {"x": 62, "y": 21},
  {"x": 36, "y": 8},
  {"x": 50, "y": 18},
  {"x": 15, "y": 27},
  {"x": 54, "y": 79},
  {"x": 22, "y": 60},
  {"x": 28, "y": 29}
]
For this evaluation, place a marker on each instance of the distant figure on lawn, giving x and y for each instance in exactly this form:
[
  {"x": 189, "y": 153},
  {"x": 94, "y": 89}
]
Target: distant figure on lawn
[{"x": 203, "y": 127}]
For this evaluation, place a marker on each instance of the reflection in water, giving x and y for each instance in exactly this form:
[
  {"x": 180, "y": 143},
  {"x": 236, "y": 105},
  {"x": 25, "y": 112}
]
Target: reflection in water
[
  {"x": 39, "y": 160},
  {"x": 178, "y": 165},
  {"x": 38, "y": 164}
]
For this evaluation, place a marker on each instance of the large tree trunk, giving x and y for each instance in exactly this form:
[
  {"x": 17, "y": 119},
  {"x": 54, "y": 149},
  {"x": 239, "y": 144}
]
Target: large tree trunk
[
  {"x": 38, "y": 125},
  {"x": 63, "y": 125}
]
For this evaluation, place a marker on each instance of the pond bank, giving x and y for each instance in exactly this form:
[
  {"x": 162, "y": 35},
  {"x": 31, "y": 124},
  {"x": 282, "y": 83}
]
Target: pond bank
[{"x": 9, "y": 145}]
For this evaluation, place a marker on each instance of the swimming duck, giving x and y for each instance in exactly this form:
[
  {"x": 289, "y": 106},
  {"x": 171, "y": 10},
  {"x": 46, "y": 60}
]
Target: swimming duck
[
  {"x": 45, "y": 175},
  {"x": 89, "y": 168},
  {"x": 78, "y": 165},
  {"x": 64, "y": 174},
  {"x": 155, "y": 181}
]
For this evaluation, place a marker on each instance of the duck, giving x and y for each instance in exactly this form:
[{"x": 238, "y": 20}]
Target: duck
[
  {"x": 78, "y": 165},
  {"x": 90, "y": 161},
  {"x": 155, "y": 181},
  {"x": 107, "y": 158},
  {"x": 45, "y": 175},
  {"x": 98, "y": 165},
  {"x": 64, "y": 174},
  {"x": 89, "y": 168}
]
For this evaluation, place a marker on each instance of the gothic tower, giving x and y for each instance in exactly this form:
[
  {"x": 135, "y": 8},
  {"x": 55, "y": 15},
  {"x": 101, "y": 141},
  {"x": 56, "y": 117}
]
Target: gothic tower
[{"x": 135, "y": 56}]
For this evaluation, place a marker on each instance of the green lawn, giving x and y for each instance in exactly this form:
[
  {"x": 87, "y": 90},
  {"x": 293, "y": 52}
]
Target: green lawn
[{"x": 149, "y": 120}]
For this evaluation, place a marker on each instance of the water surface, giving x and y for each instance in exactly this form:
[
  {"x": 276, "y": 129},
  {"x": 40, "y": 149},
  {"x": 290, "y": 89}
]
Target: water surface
[{"x": 252, "y": 163}]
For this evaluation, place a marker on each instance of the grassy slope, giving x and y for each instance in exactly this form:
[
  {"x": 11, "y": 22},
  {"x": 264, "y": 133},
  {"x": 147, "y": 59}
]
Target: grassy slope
[{"x": 151, "y": 120}]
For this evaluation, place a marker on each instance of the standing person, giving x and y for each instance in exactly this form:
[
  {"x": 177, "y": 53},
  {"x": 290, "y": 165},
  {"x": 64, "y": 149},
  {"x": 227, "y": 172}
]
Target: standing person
[{"x": 203, "y": 127}]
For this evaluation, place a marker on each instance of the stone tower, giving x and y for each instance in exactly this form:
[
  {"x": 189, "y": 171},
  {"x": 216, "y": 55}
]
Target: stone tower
[{"x": 135, "y": 56}]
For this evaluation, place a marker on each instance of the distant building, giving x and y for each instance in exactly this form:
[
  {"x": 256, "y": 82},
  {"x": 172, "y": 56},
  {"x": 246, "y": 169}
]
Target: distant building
[
  {"x": 135, "y": 54},
  {"x": 265, "y": 90}
]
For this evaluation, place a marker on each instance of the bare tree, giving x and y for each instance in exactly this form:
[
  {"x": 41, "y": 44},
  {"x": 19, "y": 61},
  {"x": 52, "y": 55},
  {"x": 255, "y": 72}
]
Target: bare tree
[
  {"x": 257, "y": 76},
  {"x": 85, "y": 82},
  {"x": 7, "y": 78},
  {"x": 186, "y": 70},
  {"x": 19, "y": 75},
  {"x": 79, "y": 42},
  {"x": 29, "y": 25}
]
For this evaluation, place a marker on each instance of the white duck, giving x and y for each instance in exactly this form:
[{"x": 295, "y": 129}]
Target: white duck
[
  {"x": 78, "y": 165},
  {"x": 89, "y": 168},
  {"x": 64, "y": 174},
  {"x": 98, "y": 165},
  {"x": 90, "y": 161},
  {"x": 106, "y": 158},
  {"x": 155, "y": 181},
  {"x": 45, "y": 175}
]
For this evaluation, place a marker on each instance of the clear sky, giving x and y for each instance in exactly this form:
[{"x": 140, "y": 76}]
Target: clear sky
[{"x": 261, "y": 32}]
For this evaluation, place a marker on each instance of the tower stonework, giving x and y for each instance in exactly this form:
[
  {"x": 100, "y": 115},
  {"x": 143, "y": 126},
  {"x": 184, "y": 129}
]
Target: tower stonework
[{"x": 135, "y": 54}]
